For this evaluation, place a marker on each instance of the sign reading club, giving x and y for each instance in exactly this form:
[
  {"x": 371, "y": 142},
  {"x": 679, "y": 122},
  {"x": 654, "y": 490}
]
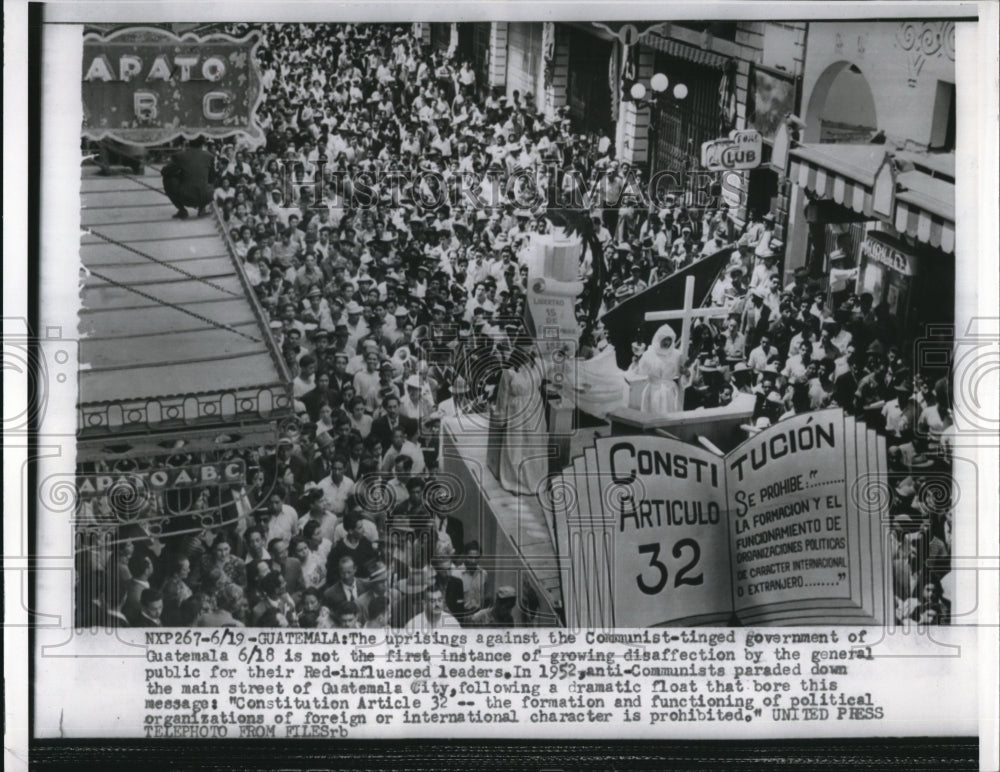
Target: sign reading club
[{"x": 740, "y": 150}]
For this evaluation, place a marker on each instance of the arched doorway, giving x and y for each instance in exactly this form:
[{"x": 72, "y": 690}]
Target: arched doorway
[
  {"x": 842, "y": 106},
  {"x": 840, "y": 110}
]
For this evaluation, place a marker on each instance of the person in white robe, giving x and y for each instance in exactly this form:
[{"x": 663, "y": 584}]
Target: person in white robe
[
  {"x": 523, "y": 457},
  {"x": 663, "y": 366},
  {"x": 600, "y": 385}
]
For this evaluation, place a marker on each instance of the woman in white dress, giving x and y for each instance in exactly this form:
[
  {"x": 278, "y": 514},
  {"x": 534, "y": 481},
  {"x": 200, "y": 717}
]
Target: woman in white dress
[{"x": 663, "y": 366}]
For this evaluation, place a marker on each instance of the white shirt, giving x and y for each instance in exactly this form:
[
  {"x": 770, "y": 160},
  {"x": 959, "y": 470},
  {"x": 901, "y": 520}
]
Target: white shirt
[
  {"x": 334, "y": 495},
  {"x": 284, "y": 526},
  {"x": 408, "y": 449},
  {"x": 422, "y": 622},
  {"x": 302, "y": 387}
]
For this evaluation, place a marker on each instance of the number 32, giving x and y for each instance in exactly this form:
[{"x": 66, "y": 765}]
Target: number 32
[{"x": 653, "y": 550}]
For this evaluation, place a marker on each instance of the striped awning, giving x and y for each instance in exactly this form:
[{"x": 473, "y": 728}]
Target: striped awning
[
  {"x": 843, "y": 173},
  {"x": 923, "y": 225},
  {"x": 686, "y": 52},
  {"x": 923, "y": 203},
  {"x": 925, "y": 209}
]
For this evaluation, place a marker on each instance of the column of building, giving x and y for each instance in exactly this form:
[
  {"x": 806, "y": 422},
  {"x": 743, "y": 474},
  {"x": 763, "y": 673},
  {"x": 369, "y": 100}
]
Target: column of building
[
  {"x": 498, "y": 55},
  {"x": 632, "y": 140},
  {"x": 555, "y": 57},
  {"x": 422, "y": 32}
]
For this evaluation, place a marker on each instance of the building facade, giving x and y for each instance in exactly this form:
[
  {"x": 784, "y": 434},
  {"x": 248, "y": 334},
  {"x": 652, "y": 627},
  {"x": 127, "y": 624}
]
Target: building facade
[
  {"x": 857, "y": 121},
  {"x": 736, "y": 75},
  {"x": 872, "y": 164}
]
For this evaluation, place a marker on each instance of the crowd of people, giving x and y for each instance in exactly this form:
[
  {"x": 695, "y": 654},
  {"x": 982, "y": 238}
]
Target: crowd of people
[
  {"x": 811, "y": 344},
  {"x": 394, "y": 287}
]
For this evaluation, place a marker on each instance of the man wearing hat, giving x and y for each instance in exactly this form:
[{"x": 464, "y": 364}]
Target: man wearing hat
[
  {"x": 726, "y": 289},
  {"x": 277, "y": 328},
  {"x": 413, "y": 404},
  {"x": 756, "y": 316},
  {"x": 376, "y": 329},
  {"x": 799, "y": 285},
  {"x": 899, "y": 413},
  {"x": 638, "y": 283},
  {"x": 367, "y": 291},
  {"x": 500, "y": 613},
  {"x": 713, "y": 243},
  {"x": 764, "y": 247},
  {"x": 740, "y": 378},
  {"x": 378, "y": 590},
  {"x": 356, "y": 326},
  {"x": 389, "y": 285},
  {"x": 764, "y": 268},
  {"x": 460, "y": 394},
  {"x": 395, "y": 322}
]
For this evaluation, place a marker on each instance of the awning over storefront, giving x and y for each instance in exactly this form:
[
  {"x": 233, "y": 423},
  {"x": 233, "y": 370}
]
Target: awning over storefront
[
  {"x": 686, "y": 52},
  {"x": 172, "y": 343},
  {"x": 912, "y": 192},
  {"x": 925, "y": 199},
  {"x": 843, "y": 173}
]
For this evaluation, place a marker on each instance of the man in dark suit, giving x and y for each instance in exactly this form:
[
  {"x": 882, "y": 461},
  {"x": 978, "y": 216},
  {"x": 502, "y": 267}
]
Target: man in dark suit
[
  {"x": 322, "y": 394},
  {"x": 353, "y": 545},
  {"x": 273, "y": 466},
  {"x": 449, "y": 528},
  {"x": 339, "y": 377},
  {"x": 451, "y": 586},
  {"x": 151, "y": 609},
  {"x": 348, "y": 588},
  {"x": 188, "y": 179},
  {"x": 383, "y": 426}
]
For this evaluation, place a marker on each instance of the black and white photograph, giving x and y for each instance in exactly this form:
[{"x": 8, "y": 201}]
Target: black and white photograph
[{"x": 495, "y": 374}]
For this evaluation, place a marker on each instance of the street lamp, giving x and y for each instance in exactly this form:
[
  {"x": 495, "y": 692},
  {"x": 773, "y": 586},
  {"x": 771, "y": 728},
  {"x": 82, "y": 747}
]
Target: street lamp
[
  {"x": 659, "y": 91},
  {"x": 659, "y": 84}
]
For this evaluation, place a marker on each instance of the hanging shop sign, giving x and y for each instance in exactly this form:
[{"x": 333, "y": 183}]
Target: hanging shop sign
[
  {"x": 147, "y": 86},
  {"x": 740, "y": 150},
  {"x": 876, "y": 248},
  {"x": 165, "y": 478}
]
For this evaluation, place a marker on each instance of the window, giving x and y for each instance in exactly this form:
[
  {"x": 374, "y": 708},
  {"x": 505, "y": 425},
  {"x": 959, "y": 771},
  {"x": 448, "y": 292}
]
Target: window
[
  {"x": 525, "y": 47},
  {"x": 943, "y": 126},
  {"x": 724, "y": 30}
]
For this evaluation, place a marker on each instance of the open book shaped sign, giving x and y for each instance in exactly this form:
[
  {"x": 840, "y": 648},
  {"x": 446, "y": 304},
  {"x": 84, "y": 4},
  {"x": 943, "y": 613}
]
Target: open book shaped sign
[{"x": 785, "y": 529}]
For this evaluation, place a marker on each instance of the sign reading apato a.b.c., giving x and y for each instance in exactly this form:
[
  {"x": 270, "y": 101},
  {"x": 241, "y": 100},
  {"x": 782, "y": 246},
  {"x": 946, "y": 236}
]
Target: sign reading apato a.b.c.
[
  {"x": 740, "y": 150},
  {"x": 144, "y": 86}
]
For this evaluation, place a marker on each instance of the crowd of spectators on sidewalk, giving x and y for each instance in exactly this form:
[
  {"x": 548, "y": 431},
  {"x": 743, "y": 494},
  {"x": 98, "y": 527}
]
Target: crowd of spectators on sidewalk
[{"x": 384, "y": 226}]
